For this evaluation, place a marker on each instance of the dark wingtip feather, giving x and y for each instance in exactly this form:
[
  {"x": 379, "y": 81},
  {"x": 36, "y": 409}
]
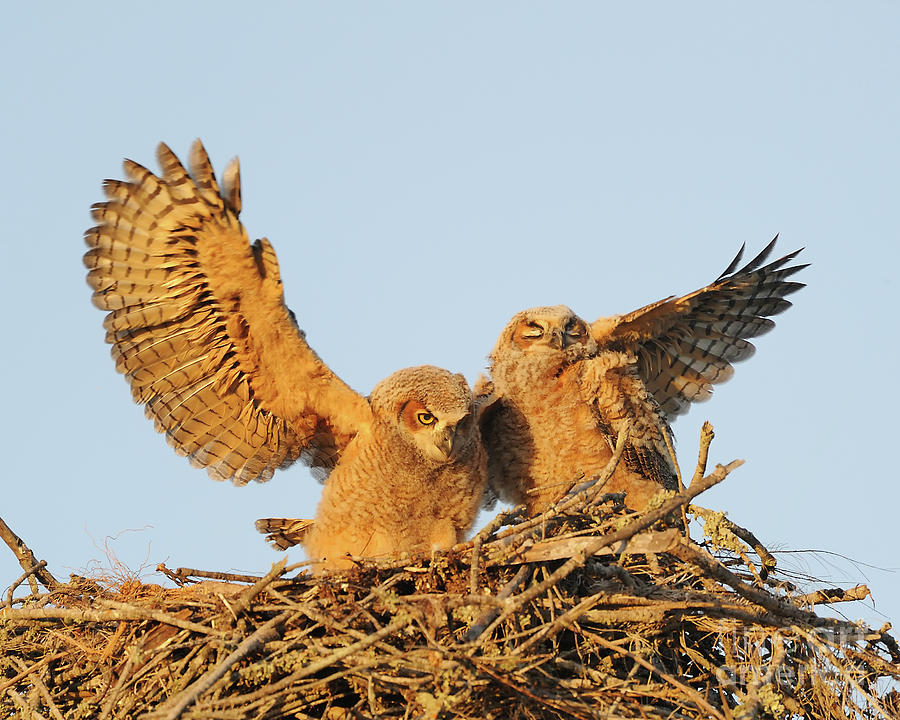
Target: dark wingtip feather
[
  {"x": 734, "y": 263},
  {"x": 761, "y": 257}
]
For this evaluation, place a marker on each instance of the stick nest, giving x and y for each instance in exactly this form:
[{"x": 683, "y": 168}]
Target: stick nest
[{"x": 586, "y": 611}]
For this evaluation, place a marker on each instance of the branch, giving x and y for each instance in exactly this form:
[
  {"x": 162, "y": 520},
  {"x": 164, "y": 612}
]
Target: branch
[
  {"x": 263, "y": 634},
  {"x": 27, "y": 560},
  {"x": 246, "y": 597},
  {"x": 620, "y": 536},
  {"x": 686, "y": 689},
  {"x": 713, "y": 568},
  {"x": 833, "y": 595},
  {"x": 123, "y": 612}
]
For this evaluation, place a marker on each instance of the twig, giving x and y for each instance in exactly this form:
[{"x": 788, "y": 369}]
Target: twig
[
  {"x": 246, "y": 597},
  {"x": 488, "y": 616},
  {"x": 27, "y": 559},
  {"x": 504, "y": 518},
  {"x": 687, "y": 689},
  {"x": 768, "y": 561},
  {"x": 113, "y": 694},
  {"x": 889, "y": 642},
  {"x": 752, "y": 700},
  {"x": 19, "y": 580},
  {"x": 674, "y": 459},
  {"x": 400, "y": 622},
  {"x": 705, "y": 561},
  {"x": 820, "y": 646},
  {"x": 47, "y": 659},
  {"x": 495, "y": 674},
  {"x": 26, "y": 712},
  {"x": 558, "y": 549},
  {"x": 833, "y": 595},
  {"x": 184, "y": 574},
  {"x": 567, "y": 618},
  {"x": 41, "y": 688},
  {"x": 634, "y": 527},
  {"x": 473, "y": 567},
  {"x": 264, "y": 634},
  {"x": 707, "y": 434},
  {"x": 124, "y": 612},
  {"x": 580, "y": 493}
]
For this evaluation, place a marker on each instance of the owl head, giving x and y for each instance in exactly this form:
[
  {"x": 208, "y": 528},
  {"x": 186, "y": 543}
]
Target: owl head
[
  {"x": 429, "y": 407},
  {"x": 549, "y": 330}
]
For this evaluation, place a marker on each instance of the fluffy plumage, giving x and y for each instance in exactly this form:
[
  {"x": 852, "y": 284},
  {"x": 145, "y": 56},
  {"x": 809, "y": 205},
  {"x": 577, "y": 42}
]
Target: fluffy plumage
[
  {"x": 198, "y": 326},
  {"x": 564, "y": 388},
  {"x": 422, "y": 457}
]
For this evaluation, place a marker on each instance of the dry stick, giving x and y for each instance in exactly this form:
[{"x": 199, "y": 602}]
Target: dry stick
[
  {"x": 752, "y": 701},
  {"x": 586, "y": 492},
  {"x": 768, "y": 562},
  {"x": 765, "y": 557},
  {"x": 402, "y": 621},
  {"x": 183, "y": 574},
  {"x": 126, "y": 612},
  {"x": 246, "y": 597},
  {"x": 27, "y": 671},
  {"x": 707, "y": 434},
  {"x": 687, "y": 689},
  {"x": 567, "y": 618},
  {"x": 473, "y": 567},
  {"x": 819, "y": 645},
  {"x": 833, "y": 595},
  {"x": 525, "y": 691},
  {"x": 27, "y": 559},
  {"x": 263, "y": 634},
  {"x": 498, "y": 522},
  {"x": 706, "y": 437},
  {"x": 720, "y": 573},
  {"x": 630, "y": 530},
  {"x": 20, "y": 703},
  {"x": 19, "y": 580},
  {"x": 42, "y": 689},
  {"x": 113, "y": 694},
  {"x": 487, "y": 617},
  {"x": 882, "y": 636}
]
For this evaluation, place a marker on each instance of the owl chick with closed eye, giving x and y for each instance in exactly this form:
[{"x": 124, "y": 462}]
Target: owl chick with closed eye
[
  {"x": 564, "y": 389},
  {"x": 198, "y": 325}
]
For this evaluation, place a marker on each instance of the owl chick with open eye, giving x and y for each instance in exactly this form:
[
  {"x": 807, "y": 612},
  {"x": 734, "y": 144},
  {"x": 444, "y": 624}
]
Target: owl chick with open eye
[
  {"x": 198, "y": 325},
  {"x": 412, "y": 481},
  {"x": 565, "y": 389}
]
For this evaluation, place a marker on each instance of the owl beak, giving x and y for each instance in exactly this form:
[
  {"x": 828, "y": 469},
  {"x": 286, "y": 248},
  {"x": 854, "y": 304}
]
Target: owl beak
[
  {"x": 446, "y": 442},
  {"x": 556, "y": 339}
]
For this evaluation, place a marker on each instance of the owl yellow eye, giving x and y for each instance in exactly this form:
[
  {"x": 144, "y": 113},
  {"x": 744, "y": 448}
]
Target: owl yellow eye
[
  {"x": 425, "y": 418},
  {"x": 533, "y": 330}
]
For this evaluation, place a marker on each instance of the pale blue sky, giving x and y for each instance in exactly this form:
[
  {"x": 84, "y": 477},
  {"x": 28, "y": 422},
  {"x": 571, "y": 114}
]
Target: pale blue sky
[{"x": 424, "y": 171}]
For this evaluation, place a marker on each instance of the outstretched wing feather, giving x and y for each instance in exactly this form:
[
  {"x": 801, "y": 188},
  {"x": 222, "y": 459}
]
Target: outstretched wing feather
[
  {"x": 685, "y": 345},
  {"x": 198, "y": 326}
]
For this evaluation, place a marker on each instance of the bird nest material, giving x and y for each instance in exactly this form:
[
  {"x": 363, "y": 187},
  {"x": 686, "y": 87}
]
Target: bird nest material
[{"x": 587, "y": 611}]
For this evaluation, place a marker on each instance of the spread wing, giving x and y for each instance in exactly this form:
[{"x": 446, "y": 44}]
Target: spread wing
[
  {"x": 198, "y": 326},
  {"x": 685, "y": 345}
]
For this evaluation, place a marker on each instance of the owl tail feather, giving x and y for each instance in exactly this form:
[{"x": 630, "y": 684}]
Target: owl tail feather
[{"x": 283, "y": 533}]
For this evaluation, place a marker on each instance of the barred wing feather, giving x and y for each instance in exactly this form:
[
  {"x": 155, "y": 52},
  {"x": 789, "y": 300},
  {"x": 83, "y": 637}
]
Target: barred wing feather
[
  {"x": 685, "y": 345},
  {"x": 197, "y": 323}
]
